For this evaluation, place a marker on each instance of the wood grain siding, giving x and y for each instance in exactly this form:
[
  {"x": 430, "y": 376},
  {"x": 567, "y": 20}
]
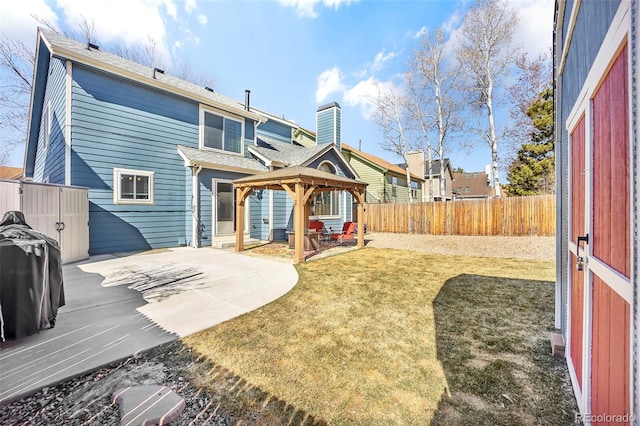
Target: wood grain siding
[
  {"x": 249, "y": 136},
  {"x": 120, "y": 124},
  {"x": 276, "y": 130},
  {"x": 259, "y": 209},
  {"x": 282, "y": 210},
  {"x": 610, "y": 376},
  {"x": 325, "y": 126},
  {"x": 374, "y": 177},
  {"x": 611, "y": 191},
  {"x": 49, "y": 164}
]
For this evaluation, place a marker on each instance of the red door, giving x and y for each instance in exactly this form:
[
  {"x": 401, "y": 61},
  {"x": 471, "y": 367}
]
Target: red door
[
  {"x": 600, "y": 250},
  {"x": 610, "y": 262}
]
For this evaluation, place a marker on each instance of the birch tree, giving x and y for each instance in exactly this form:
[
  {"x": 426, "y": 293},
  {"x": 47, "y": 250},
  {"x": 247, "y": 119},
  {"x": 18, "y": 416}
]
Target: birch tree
[
  {"x": 433, "y": 88},
  {"x": 390, "y": 115},
  {"x": 486, "y": 53}
]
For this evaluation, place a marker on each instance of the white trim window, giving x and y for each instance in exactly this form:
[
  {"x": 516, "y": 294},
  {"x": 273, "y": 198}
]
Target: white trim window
[
  {"x": 326, "y": 204},
  {"x": 133, "y": 186},
  {"x": 221, "y": 132}
]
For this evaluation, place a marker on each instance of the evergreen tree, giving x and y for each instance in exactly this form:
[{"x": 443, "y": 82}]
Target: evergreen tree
[{"x": 533, "y": 170}]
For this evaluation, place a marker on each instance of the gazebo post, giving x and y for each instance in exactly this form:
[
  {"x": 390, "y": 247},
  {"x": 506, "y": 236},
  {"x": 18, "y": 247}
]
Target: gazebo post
[
  {"x": 360, "y": 223},
  {"x": 299, "y": 223},
  {"x": 241, "y": 196}
]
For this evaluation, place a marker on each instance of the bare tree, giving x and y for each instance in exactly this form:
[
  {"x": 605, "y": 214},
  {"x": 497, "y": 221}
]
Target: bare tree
[
  {"x": 486, "y": 53},
  {"x": 437, "y": 80},
  {"x": 534, "y": 76},
  {"x": 16, "y": 70},
  {"x": 16, "y": 67},
  {"x": 391, "y": 117}
]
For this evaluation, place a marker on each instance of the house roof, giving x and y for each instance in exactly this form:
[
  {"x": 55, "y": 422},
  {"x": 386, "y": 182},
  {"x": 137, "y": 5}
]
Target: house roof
[
  {"x": 219, "y": 160},
  {"x": 10, "y": 172},
  {"x": 285, "y": 153},
  {"x": 299, "y": 174},
  {"x": 477, "y": 182},
  {"x": 79, "y": 52},
  {"x": 383, "y": 164}
]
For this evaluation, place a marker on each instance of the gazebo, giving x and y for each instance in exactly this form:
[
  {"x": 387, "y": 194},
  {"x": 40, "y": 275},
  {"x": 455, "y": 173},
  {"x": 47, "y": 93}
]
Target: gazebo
[{"x": 302, "y": 184}]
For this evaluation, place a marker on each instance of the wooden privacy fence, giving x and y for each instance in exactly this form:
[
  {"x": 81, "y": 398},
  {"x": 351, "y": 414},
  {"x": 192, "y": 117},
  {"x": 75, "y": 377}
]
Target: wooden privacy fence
[{"x": 510, "y": 216}]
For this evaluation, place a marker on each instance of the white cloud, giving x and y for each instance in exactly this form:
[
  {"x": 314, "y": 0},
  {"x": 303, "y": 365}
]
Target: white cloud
[
  {"x": 190, "y": 6},
  {"x": 202, "y": 19},
  {"x": 306, "y": 8},
  {"x": 422, "y": 31},
  {"x": 329, "y": 82},
  {"x": 381, "y": 58},
  {"x": 17, "y": 22},
  {"x": 365, "y": 94},
  {"x": 130, "y": 28},
  {"x": 535, "y": 32}
]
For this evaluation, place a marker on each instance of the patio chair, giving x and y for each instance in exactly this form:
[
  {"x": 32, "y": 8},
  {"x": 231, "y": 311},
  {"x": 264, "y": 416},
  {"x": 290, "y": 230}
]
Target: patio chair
[{"x": 347, "y": 233}]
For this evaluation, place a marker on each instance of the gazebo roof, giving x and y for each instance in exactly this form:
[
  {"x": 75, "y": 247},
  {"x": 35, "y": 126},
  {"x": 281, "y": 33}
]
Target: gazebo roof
[{"x": 298, "y": 174}]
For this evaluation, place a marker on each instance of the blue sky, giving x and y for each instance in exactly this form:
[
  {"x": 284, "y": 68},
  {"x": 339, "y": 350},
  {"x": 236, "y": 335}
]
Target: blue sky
[{"x": 293, "y": 55}]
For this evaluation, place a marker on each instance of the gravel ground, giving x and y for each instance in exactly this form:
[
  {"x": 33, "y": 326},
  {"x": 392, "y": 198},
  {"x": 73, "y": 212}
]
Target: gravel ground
[
  {"x": 505, "y": 247},
  {"x": 86, "y": 400}
]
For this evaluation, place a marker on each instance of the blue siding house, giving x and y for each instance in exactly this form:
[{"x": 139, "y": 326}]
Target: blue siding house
[{"x": 159, "y": 154}]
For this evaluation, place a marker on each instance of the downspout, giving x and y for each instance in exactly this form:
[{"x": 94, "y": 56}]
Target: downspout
[{"x": 195, "y": 204}]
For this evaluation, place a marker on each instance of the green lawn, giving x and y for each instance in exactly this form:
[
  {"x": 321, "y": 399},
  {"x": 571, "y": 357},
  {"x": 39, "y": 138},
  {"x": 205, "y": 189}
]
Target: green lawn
[{"x": 379, "y": 336}]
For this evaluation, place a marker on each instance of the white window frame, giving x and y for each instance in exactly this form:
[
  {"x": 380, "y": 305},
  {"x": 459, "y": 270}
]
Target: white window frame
[
  {"x": 224, "y": 115},
  {"x": 117, "y": 199},
  {"x": 335, "y": 197},
  {"x": 394, "y": 186}
]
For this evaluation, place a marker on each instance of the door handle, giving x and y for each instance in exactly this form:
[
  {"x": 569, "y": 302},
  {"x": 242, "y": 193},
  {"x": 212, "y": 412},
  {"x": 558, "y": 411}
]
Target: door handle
[
  {"x": 59, "y": 226},
  {"x": 581, "y": 260}
]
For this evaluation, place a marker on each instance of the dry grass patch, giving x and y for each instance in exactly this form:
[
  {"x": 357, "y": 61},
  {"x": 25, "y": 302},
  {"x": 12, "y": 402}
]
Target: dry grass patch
[{"x": 362, "y": 338}]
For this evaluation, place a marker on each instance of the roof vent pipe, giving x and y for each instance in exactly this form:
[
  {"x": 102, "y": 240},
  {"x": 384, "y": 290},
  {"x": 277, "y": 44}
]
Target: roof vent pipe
[{"x": 247, "y": 94}]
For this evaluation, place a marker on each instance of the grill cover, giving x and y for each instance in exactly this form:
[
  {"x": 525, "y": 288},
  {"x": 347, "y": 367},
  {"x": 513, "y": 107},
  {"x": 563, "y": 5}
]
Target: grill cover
[{"x": 31, "y": 285}]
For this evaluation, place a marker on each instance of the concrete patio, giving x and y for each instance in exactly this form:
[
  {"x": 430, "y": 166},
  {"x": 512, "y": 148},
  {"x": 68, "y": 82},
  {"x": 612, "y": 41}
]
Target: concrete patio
[{"x": 118, "y": 305}]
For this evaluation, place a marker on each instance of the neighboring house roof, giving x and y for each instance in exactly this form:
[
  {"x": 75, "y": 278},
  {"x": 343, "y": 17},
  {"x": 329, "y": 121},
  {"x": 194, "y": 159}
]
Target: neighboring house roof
[
  {"x": 219, "y": 160},
  {"x": 435, "y": 167},
  {"x": 10, "y": 172},
  {"x": 381, "y": 163},
  {"x": 477, "y": 182}
]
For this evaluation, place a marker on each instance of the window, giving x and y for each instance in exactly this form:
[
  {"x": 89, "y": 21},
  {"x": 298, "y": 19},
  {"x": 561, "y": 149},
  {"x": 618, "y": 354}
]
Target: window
[
  {"x": 132, "y": 187},
  {"x": 221, "y": 133},
  {"x": 414, "y": 190},
  {"x": 394, "y": 186},
  {"x": 326, "y": 203},
  {"x": 459, "y": 189},
  {"x": 467, "y": 189}
]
